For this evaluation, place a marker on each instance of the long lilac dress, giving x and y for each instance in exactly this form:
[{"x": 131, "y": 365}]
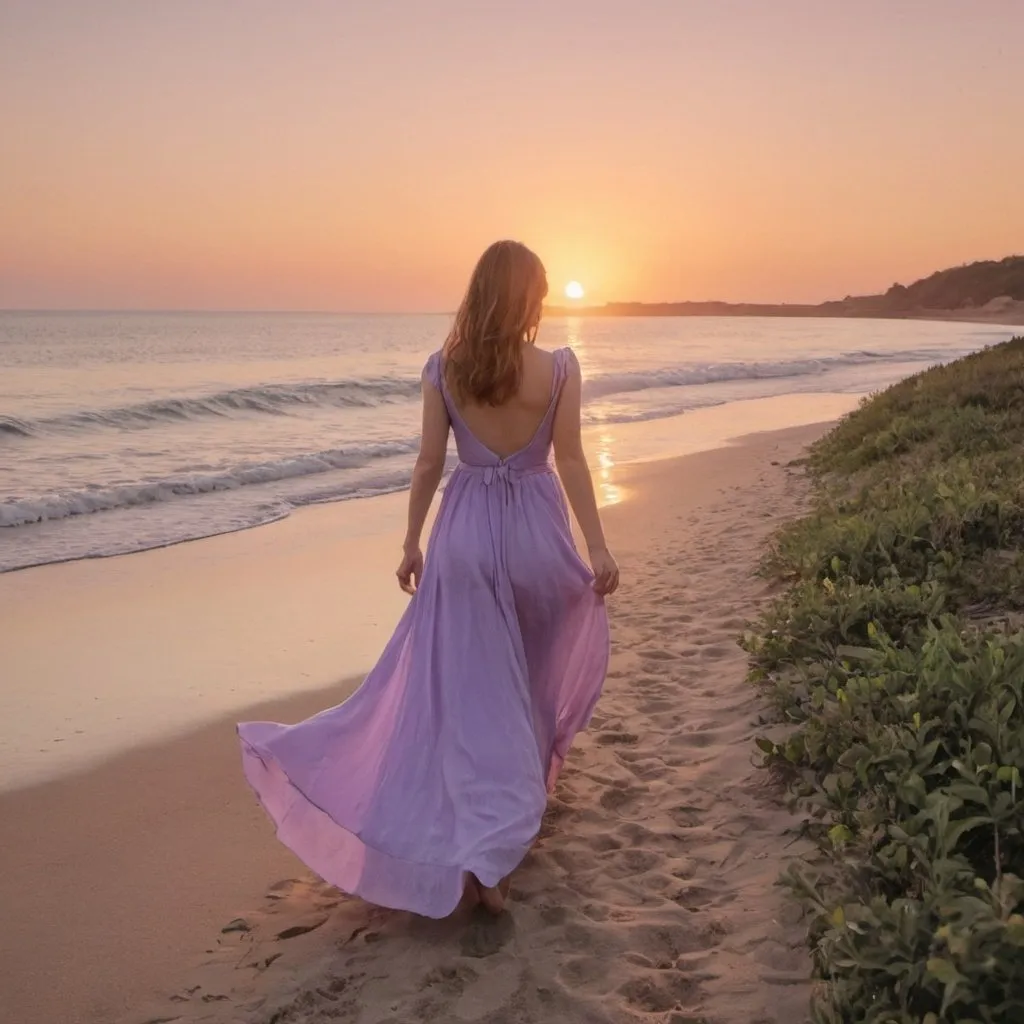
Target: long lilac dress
[{"x": 441, "y": 762}]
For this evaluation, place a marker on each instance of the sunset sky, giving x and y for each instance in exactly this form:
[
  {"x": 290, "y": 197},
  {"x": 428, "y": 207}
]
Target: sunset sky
[{"x": 335, "y": 154}]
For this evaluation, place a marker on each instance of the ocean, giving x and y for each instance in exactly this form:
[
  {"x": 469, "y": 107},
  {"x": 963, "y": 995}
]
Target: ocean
[{"x": 126, "y": 431}]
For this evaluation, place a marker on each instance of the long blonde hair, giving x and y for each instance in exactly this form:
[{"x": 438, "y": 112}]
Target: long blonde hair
[{"x": 483, "y": 358}]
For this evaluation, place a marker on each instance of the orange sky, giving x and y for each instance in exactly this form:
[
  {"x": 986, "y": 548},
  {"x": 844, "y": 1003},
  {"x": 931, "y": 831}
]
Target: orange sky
[{"x": 329, "y": 154}]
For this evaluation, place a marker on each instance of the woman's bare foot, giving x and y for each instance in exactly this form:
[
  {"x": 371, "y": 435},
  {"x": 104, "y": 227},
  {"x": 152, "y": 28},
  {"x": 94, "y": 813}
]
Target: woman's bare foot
[
  {"x": 471, "y": 892},
  {"x": 494, "y": 897}
]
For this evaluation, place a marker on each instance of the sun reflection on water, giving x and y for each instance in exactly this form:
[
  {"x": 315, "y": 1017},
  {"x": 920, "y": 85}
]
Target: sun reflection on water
[
  {"x": 574, "y": 334},
  {"x": 608, "y": 493}
]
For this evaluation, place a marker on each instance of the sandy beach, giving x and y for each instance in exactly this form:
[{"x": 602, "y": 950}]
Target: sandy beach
[{"x": 649, "y": 896}]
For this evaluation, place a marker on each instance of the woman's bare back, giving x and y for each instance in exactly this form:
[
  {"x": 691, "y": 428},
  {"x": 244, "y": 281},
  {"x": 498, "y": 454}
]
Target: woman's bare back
[{"x": 508, "y": 428}]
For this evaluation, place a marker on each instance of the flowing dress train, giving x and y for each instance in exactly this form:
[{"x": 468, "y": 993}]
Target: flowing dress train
[{"x": 440, "y": 763}]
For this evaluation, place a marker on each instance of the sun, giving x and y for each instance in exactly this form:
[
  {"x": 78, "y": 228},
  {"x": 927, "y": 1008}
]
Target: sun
[{"x": 574, "y": 290}]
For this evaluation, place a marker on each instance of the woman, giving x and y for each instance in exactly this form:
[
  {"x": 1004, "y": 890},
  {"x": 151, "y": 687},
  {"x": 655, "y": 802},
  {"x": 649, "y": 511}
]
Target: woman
[{"x": 430, "y": 782}]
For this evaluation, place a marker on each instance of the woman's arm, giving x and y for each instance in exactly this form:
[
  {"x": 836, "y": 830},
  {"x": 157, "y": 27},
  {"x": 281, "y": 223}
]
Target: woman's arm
[
  {"x": 579, "y": 486},
  {"x": 426, "y": 476}
]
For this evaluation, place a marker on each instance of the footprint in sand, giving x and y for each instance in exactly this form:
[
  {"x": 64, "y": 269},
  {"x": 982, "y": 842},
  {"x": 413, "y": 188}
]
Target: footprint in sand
[
  {"x": 604, "y": 843},
  {"x": 621, "y": 798},
  {"x": 554, "y": 917},
  {"x": 657, "y": 654},
  {"x": 715, "y": 652},
  {"x": 697, "y": 739},
  {"x": 588, "y": 973},
  {"x": 677, "y": 619},
  {"x": 615, "y": 737},
  {"x": 688, "y": 816},
  {"x": 660, "y": 993},
  {"x": 629, "y": 863},
  {"x": 485, "y": 936},
  {"x": 697, "y": 898},
  {"x": 648, "y": 770},
  {"x": 656, "y": 706},
  {"x": 449, "y": 980}
]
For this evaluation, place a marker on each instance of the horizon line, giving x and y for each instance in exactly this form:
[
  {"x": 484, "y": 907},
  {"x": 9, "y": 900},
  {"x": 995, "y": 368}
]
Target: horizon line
[
  {"x": 218, "y": 311},
  {"x": 229, "y": 311}
]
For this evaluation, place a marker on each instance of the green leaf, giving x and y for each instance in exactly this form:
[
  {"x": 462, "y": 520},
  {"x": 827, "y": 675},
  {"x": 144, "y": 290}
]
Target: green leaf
[
  {"x": 1015, "y": 930},
  {"x": 858, "y": 653},
  {"x": 952, "y": 835},
  {"x": 840, "y": 835},
  {"x": 1007, "y": 711},
  {"x": 944, "y": 970},
  {"x": 968, "y": 791},
  {"x": 765, "y": 744}
]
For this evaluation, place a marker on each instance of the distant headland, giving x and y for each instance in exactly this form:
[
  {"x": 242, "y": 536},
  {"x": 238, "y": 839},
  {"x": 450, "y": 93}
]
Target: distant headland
[{"x": 990, "y": 290}]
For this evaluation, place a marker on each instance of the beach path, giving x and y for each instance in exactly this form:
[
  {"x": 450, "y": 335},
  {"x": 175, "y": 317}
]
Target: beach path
[{"x": 650, "y": 895}]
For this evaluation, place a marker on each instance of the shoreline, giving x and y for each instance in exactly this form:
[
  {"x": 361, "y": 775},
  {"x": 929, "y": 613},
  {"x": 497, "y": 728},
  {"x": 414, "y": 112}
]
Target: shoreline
[
  {"x": 660, "y": 437},
  {"x": 292, "y": 606},
  {"x": 146, "y": 857}
]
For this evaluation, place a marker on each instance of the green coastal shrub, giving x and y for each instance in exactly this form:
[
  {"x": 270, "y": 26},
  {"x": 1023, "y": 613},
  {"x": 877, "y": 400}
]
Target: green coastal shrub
[{"x": 896, "y": 655}]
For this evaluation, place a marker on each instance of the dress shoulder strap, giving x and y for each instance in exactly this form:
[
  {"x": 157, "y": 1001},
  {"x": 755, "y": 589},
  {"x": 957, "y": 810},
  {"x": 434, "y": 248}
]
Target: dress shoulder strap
[
  {"x": 565, "y": 363},
  {"x": 432, "y": 370}
]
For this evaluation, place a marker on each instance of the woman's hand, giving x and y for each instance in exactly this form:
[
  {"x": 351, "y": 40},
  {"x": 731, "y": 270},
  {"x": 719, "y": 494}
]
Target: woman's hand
[
  {"x": 411, "y": 569},
  {"x": 606, "y": 571}
]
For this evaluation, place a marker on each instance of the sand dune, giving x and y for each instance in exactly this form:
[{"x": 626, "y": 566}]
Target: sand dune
[{"x": 650, "y": 894}]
